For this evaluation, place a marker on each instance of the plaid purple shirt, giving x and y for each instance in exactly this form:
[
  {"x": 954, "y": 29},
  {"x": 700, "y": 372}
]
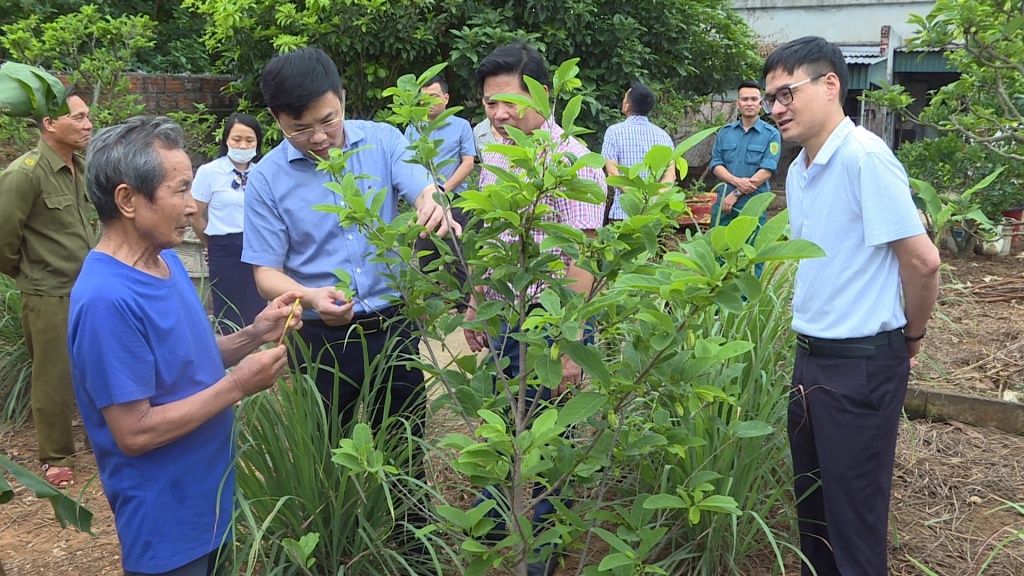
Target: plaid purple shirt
[
  {"x": 626, "y": 143},
  {"x": 579, "y": 215}
]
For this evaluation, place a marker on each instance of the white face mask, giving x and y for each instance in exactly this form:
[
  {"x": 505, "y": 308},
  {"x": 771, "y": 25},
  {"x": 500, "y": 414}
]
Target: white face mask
[{"x": 241, "y": 156}]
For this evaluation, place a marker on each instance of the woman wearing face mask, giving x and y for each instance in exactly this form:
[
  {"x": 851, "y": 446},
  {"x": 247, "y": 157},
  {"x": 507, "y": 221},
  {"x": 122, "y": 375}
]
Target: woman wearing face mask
[{"x": 219, "y": 190}]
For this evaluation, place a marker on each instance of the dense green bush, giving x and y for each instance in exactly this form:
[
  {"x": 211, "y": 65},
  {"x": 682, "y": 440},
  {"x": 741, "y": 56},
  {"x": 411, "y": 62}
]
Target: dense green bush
[
  {"x": 688, "y": 47},
  {"x": 15, "y": 363},
  {"x": 953, "y": 166}
]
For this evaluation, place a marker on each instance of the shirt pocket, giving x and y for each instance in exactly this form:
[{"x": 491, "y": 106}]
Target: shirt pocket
[
  {"x": 61, "y": 213},
  {"x": 754, "y": 154},
  {"x": 729, "y": 152}
]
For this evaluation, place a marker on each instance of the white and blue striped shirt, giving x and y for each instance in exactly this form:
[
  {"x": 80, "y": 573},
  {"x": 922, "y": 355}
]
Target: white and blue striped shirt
[{"x": 626, "y": 143}]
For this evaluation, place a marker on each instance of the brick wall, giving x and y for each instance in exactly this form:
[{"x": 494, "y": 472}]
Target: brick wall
[{"x": 163, "y": 93}]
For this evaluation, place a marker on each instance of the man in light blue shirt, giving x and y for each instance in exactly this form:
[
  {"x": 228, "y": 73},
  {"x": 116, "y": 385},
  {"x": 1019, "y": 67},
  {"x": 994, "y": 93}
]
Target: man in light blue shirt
[
  {"x": 859, "y": 313},
  {"x": 457, "y": 146},
  {"x": 744, "y": 157},
  {"x": 295, "y": 248},
  {"x": 457, "y": 142},
  {"x": 627, "y": 142}
]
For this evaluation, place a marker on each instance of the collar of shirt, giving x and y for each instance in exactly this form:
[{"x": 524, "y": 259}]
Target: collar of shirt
[
  {"x": 829, "y": 148},
  {"x": 55, "y": 162},
  {"x": 637, "y": 119}
]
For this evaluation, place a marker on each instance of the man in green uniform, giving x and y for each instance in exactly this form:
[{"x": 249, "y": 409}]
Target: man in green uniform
[{"x": 45, "y": 234}]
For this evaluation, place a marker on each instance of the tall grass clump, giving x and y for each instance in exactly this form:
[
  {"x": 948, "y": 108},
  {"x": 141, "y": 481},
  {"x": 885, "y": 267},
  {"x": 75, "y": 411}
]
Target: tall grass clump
[
  {"x": 317, "y": 497},
  {"x": 754, "y": 468},
  {"x": 15, "y": 363}
]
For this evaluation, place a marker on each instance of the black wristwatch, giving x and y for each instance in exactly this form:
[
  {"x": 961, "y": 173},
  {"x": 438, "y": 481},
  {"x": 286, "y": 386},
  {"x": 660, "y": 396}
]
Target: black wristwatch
[{"x": 918, "y": 338}]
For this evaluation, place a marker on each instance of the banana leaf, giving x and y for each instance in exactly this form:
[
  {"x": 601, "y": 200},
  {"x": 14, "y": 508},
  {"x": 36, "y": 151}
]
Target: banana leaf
[{"x": 29, "y": 92}]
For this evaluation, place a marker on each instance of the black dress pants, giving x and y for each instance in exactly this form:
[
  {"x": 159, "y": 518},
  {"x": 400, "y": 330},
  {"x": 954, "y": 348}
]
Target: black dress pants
[
  {"x": 843, "y": 419},
  {"x": 396, "y": 388}
]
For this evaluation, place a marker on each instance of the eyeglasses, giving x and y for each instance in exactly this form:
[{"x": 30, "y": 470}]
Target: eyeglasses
[
  {"x": 329, "y": 128},
  {"x": 784, "y": 96}
]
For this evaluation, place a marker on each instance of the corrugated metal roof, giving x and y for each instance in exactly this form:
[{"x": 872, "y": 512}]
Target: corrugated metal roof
[
  {"x": 921, "y": 62},
  {"x": 863, "y": 59}
]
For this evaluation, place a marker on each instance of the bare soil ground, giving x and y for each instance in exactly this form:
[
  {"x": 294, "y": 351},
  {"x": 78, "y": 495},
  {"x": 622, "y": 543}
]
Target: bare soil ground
[{"x": 975, "y": 343}]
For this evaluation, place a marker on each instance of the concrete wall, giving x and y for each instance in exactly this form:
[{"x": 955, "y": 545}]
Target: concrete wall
[{"x": 847, "y": 22}]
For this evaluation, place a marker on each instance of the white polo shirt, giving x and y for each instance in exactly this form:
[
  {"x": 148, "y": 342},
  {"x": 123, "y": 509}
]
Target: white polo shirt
[
  {"x": 212, "y": 185},
  {"x": 852, "y": 201}
]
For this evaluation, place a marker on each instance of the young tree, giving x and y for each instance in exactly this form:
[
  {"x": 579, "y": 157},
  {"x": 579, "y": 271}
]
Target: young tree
[{"x": 984, "y": 41}]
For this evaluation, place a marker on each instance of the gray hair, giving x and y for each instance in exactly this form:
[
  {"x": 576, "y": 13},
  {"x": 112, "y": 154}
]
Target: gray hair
[{"x": 126, "y": 154}]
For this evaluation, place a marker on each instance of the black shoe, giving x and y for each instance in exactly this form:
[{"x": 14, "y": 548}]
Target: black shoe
[{"x": 543, "y": 568}]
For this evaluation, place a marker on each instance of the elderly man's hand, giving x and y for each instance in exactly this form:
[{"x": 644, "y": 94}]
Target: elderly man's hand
[
  {"x": 257, "y": 372},
  {"x": 270, "y": 323},
  {"x": 433, "y": 216}
]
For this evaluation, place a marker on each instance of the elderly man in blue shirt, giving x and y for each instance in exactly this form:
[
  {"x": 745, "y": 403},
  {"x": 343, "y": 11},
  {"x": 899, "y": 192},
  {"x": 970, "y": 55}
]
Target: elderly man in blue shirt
[
  {"x": 456, "y": 142},
  {"x": 295, "y": 248},
  {"x": 627, "y": 142},
  {"x": 744, "y": 157}
]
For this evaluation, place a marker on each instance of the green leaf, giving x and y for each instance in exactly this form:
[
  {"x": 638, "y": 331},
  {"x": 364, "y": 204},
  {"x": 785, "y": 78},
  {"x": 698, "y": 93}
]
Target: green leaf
[
  {"x": 789, "y": 250},
  {"x": 757, "y": 204},
  {"x": 614, "y": 541},
  {"x": 664, "y": 501},
  {"x": 27, "y": 91},
  {"x": 750, "y": 285},
  {"x": 67, "y": 510},
  {"x": 613, "y": 561},
  {"x": 489, "y": 309},
  {"x": 719, "y": 503},
  {"x": 749, "y": 429},
  {"x": 539, "y": 94},
  {"x": 692, "y": 141},
  {"x": 658, "y": 156},
  {"x": 588, "y": 358},
  {"x": 739, "y": 230},
  {"x": 580, "y": 407},
  {"x": 572, "y": 110}
]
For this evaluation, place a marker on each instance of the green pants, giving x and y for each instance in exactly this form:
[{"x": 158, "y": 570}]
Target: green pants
[{"x": 45, "y": 321}]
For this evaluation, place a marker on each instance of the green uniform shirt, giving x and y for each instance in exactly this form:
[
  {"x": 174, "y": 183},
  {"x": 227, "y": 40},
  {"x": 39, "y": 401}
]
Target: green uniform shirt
[{"x": 45, "y": 214}]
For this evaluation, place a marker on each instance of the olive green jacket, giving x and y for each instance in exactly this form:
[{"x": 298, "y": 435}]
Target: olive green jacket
[{"x": 45, "y": 215}]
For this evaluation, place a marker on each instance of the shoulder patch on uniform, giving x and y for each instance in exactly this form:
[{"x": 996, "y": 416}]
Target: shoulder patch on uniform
[
  {"x": 774, "y": 148},
  {"x": 30, "y": 161}
]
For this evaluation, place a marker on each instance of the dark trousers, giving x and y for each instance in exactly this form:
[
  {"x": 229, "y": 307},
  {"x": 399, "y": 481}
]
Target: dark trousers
[
  {"x": 843, "y": 418},
  {"x": 236, "y": 301},
  {"x": 44, "y": 320},
  {"x": 456, "y": 269},
  {"x": 340, "y": 358}
]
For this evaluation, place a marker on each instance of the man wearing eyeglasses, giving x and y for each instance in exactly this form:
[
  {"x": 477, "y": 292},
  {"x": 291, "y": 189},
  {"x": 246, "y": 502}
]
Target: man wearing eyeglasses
[
  {"x": 295, "y": 248},
  {"x": 859, "y": 312},
  {"x": 45, "y": 234},
  {"x": 744, "y": 157}
]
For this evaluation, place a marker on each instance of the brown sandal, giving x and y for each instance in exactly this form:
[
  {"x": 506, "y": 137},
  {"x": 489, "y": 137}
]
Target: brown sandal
[{"x": 60, "y": 477}]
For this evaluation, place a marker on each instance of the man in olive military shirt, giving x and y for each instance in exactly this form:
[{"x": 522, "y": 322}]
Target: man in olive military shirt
[{"x": 45, "y": 234}]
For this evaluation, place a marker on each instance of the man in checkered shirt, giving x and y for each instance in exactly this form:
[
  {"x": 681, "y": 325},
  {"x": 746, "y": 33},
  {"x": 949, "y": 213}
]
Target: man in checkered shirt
[
  {"x": 627, "y": 142},
  {"x": 502, "y": 73}
]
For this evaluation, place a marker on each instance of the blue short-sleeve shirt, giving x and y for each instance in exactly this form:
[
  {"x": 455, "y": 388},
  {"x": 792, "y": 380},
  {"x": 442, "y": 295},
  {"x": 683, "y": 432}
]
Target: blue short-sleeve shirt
[
  {"x": 744, "y": 152},
  {"x": 283, "y": 231},
  {"x": 134, "y": 336},
  {"x": 456, "y": 141}
]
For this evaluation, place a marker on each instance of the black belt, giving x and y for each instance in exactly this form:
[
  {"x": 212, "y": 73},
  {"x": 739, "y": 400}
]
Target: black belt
[
  {"x": 368, "y": 322},
  {"x": 849, "y": 347}
]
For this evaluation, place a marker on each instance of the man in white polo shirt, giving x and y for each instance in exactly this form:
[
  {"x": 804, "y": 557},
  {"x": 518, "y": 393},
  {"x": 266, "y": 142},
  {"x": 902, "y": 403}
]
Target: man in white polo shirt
[{"x": 859, "y": 313}]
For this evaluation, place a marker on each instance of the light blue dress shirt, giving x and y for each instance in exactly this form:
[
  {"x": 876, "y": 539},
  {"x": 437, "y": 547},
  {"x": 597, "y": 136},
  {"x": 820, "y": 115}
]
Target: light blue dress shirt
[
  {"x": 853, "y": 201},
  {"x": 283, "y": 231},
  {"x": 456, "y": 141}
]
